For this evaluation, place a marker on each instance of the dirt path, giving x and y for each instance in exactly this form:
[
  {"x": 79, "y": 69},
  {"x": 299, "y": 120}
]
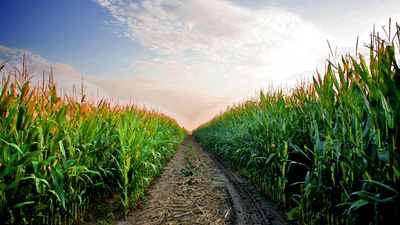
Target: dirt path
[
  {"x": 196, "y": 188},
  {"x": 189, "y": 191},
  {"x": 249, "y": 205}
]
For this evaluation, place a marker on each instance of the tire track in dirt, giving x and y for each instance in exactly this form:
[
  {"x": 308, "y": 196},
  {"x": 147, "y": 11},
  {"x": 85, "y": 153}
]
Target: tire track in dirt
[
  {"x": 196, "y": 188},
  {"x": 249, "y": 205}
]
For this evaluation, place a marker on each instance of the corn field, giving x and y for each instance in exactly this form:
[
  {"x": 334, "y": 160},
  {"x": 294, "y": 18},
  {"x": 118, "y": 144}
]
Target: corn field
[
  {"x": 328, "y": 151},
  {"x": 60, "y": 155}
]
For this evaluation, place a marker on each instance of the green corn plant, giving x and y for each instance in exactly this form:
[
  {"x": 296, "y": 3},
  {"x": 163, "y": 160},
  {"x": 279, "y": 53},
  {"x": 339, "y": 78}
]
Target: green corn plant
[
  {"x": 59, "y": 156},
  {"x": 326, "y": 151}
]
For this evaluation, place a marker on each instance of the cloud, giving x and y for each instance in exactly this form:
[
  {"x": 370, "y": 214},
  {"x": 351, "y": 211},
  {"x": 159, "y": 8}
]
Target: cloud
[
  {"x": 217, "y": 39},
  {"x": 190, "y": 108},
  {"x": 15, "y": 57},
  {"x": 36, "y": 63},
  {"x": 64, "y": 75},
  {"x": 215, "y": 47},
  {"x": 207, "y": 26},
  {"x": 203, "y": 54}
]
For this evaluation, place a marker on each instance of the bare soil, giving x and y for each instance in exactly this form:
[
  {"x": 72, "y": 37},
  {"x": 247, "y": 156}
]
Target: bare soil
[
  {"x": 188, "y": 192},
  {"x": 249, "y": 205},
  {"x": 196, "y": 188}
]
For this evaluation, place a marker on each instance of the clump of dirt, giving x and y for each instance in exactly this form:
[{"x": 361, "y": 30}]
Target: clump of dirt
[{"x": 188, "y": 192}]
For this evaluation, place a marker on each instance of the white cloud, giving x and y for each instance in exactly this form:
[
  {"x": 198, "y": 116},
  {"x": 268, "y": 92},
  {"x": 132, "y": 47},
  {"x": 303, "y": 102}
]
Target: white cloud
[
  {"x": 15, "y": 57},
  {"x": 35, "y": 63},
  {"x": 210, "y": 40},
  {"x": 216, "y": 47},
  {"x": 64, "y": 75}
]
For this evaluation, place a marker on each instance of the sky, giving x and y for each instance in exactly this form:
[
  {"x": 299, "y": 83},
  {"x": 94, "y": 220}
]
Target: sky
[{"x": 189, "y": 59}]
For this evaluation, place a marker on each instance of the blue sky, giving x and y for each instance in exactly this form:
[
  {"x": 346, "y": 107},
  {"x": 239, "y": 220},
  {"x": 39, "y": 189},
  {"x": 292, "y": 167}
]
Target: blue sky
[{"x": 189, "y": 59}]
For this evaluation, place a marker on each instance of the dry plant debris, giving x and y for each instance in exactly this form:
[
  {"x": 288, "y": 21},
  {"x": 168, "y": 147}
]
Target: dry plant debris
[{"x": 188, "y": 192}]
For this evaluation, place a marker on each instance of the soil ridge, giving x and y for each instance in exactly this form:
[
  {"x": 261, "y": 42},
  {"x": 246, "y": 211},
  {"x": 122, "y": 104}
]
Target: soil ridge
[{"x": 250, "y": 206}]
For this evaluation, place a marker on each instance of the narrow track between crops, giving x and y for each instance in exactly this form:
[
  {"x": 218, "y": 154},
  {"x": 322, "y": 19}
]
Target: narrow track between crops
[
  {"x": 188, "y": 191},
  {"x": 249, "y": 205},
  {"x": 196, "y": 188}
]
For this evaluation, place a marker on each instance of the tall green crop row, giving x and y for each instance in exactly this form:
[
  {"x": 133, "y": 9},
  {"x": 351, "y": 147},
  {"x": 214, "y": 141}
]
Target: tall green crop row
[
  {"x": 60, "y": 157},
  {"x": 329, "y": 151}
]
